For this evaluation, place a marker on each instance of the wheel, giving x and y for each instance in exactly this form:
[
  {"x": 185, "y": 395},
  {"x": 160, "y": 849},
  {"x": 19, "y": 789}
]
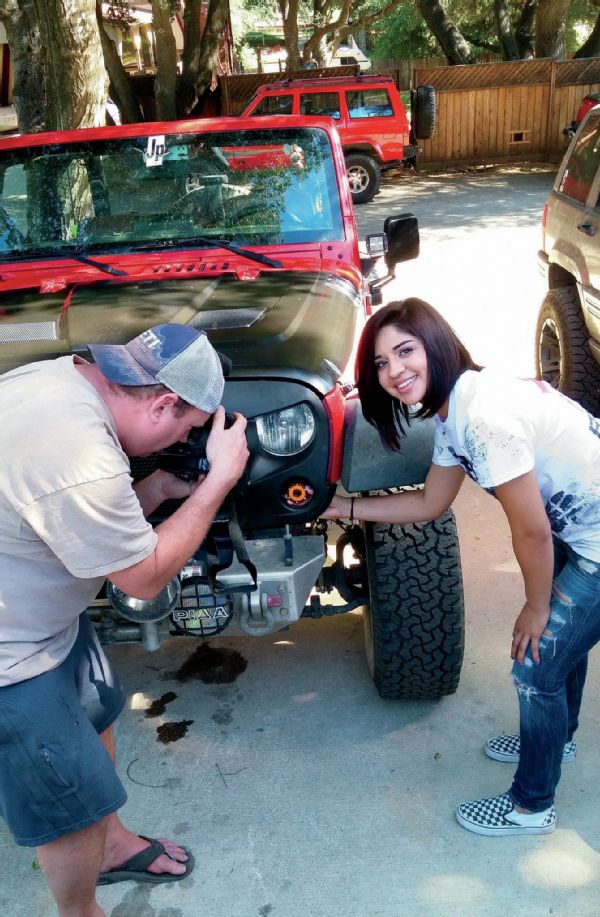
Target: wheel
[
  {"x": 414, "y": 624},
  {"x": 423, "y": 112},
  {"x": 364, "y": 176},
  {"x": 562, "y": 354}
]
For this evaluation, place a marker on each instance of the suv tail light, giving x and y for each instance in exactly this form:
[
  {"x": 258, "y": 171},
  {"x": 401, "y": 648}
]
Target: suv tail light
[{"x": 334, "y": 405}]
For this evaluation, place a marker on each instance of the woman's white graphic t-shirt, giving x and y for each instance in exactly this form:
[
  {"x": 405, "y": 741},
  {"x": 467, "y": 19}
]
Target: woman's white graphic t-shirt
[{"x": 499, "y": 428}]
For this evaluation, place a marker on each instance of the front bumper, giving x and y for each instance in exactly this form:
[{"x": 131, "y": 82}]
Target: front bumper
[{"x": 287, "y": 569}]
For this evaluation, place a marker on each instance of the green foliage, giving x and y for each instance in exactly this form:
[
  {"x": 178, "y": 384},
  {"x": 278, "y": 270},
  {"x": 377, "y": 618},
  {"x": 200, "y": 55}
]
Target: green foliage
[
  {"x": 580, "y": 21},
  {"x": 119, "y": 12},
  {"x": 403, "y": 34}
]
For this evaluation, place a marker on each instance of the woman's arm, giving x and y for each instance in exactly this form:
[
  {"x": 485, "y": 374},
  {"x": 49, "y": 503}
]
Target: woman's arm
[
  {"x": 532, "y": 543},
  {"x": 441, "y": 487}
]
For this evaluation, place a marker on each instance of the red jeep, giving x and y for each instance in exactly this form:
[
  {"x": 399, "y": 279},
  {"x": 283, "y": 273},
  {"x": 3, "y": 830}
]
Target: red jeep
[
  {"x": 244, "y": 228},
  {"x": 369, "y": 115}
]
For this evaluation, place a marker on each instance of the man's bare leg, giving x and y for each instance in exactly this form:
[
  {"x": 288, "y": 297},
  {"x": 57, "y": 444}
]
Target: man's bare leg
[
  {"x": 121, "y": 844},
  {"x": 71, "y": 865}
]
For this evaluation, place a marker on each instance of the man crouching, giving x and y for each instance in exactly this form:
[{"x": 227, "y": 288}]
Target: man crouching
[{"x": 69, "y": 518}]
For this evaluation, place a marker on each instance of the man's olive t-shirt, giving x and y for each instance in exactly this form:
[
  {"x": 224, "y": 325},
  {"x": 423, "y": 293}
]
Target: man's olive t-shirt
[{"x": 68, "y": 512}]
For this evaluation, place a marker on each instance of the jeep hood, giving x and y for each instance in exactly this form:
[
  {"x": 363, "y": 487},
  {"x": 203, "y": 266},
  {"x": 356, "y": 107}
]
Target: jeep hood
[{"x": 279, "y": 324}]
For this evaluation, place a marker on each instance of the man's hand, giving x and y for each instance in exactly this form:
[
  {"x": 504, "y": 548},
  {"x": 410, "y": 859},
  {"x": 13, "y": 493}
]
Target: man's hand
[
  {"x": 174, "y": 488},
  {"x": 226, "y": 450},
  {"x": 529, "y": 627}
]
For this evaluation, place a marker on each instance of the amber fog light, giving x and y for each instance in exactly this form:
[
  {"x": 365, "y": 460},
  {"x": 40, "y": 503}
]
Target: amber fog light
[{"x": 299, "y": 493}]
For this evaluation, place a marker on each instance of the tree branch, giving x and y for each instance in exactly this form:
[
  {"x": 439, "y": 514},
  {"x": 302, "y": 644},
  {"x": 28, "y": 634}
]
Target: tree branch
[
  {"x": 591, "y": 46},
  {"x": 480, "y": 43},
  {"x": 504, "y": 31}
]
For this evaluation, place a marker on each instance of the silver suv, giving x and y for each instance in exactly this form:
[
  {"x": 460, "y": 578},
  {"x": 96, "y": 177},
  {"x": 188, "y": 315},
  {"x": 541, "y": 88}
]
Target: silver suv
[{"x": 568, "y": 327}]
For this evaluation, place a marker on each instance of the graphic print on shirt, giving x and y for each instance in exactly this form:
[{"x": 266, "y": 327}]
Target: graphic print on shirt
[
  {"x": 469, "y": 468},
  {"x": 594, "y": 425},
  {"x": 565, "y": 508}
]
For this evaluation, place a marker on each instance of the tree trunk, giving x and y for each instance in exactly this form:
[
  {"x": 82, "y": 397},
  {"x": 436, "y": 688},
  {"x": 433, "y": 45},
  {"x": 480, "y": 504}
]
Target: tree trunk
[
  {"x": 166, "y": 61},
  {"x": 200, "y": 54},
  {"x": 29, "y": 64},
  {"x": 591, "y": 46},
  {"x": 550, "y": 28},
  {"x": 75, "y": 78},
  {"x": 504, "y": 31},
  {"x": 289, "y": 15},
  {"x": 121, "y": 88},
  {"x": 525, "y": 28},
  {"x": 449, "y": 37},
  {"x": 316, "y": 46}
]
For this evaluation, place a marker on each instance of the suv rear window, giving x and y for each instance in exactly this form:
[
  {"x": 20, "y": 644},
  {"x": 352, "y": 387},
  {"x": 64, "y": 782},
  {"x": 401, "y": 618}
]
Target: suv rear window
[
  {"x": 274, "y": 105},
  {"x": 320, "y": 103},
  {"x": 369, "y": 103},
  {"x": 578, "y": 175}
]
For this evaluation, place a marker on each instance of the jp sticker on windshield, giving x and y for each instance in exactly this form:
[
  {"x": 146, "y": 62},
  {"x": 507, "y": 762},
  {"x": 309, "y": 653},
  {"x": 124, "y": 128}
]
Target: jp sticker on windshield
[{"x": 155, "y": 150}]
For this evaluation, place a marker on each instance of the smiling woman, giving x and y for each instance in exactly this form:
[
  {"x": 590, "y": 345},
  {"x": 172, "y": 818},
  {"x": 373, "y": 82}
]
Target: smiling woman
[{"x": 538, "y": 453}]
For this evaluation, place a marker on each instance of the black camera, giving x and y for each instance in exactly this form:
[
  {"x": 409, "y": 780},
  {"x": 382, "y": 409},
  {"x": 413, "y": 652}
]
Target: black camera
[{"x": 188, "y": 460}]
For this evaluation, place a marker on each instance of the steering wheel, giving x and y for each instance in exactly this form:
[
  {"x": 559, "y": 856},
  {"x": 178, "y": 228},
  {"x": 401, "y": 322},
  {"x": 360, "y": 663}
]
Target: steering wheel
[{"x": 251, "y": 210}]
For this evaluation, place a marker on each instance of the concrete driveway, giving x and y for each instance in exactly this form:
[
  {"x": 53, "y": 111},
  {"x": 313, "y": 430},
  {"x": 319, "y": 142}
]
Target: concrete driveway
[{"x": 303, "y": 794}]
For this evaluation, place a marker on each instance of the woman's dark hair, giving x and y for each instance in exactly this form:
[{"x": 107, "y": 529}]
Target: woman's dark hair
[{"x": 447, "y": 359}]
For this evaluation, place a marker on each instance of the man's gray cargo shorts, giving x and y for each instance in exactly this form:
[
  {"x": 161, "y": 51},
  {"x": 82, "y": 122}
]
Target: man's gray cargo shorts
[{"x": 56, "y": 775}]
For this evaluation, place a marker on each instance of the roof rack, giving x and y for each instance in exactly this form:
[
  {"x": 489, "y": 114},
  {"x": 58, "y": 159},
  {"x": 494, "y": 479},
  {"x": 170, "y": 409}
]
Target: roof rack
[{"x": 325, "y": 80}]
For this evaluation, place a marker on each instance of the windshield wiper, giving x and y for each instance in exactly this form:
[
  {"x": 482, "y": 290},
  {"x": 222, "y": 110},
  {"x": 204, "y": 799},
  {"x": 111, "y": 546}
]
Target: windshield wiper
[
  {"x": 209, "y": 242},
  {"x": 236, "y": 250},
  {"x": 107, "y": 268},
  {"x": 50, "y": 250}
]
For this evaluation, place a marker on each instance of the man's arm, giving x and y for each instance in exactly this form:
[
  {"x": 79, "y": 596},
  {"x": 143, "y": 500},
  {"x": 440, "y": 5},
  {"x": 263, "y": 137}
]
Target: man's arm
[
  {"x": 180, "y": 534},
  {"x": 532, "y": 543}
]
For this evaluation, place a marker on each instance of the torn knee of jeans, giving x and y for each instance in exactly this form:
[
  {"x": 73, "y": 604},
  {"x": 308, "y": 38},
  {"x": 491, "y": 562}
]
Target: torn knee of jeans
[{"x": 524, "y": 690}]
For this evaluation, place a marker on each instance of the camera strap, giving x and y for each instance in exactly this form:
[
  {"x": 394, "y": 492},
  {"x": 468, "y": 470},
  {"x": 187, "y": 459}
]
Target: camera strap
[{"x": 241, "y": 553}]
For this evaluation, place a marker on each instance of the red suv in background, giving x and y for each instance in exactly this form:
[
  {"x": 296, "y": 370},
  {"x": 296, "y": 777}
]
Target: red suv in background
[{"x": 369, "y": 115}]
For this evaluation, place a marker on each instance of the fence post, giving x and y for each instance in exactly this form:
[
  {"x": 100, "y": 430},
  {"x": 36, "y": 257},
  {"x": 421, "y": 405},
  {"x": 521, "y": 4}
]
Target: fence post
[{"x": 550, "y": 104}]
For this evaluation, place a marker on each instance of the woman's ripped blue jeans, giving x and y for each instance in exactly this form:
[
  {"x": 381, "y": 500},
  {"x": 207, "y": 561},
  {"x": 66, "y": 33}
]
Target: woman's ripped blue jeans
[{"x": 550, "y": 693}]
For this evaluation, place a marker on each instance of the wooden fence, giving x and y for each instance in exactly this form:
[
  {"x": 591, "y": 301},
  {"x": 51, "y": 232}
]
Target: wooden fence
[
  {"x": 403, "y": 71},
  {"x": 505, "y": 111}
]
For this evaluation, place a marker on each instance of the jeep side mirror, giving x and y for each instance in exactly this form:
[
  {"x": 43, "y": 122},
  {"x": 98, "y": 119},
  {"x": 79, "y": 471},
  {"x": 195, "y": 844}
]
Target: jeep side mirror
[{"x": 402, "y": 238}]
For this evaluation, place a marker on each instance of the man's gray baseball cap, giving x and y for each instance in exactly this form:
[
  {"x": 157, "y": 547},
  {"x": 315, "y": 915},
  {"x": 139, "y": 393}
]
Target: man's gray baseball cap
[{"x": 178, "y": 356}]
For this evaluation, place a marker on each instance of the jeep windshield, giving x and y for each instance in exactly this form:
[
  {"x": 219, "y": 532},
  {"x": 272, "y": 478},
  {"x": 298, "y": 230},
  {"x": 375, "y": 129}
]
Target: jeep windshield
[{"x": 259, "y": 187}]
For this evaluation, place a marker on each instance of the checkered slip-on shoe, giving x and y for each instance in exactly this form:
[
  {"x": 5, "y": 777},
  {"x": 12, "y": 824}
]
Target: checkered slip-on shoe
[
  {"x": 507, "y": 748},
  {"x": 497, "y": 817}
]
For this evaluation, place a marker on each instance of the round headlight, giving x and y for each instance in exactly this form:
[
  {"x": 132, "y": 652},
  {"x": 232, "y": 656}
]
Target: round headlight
[
  {"x": 145, "y": 610},
  {"x": 288, "y": 431}
]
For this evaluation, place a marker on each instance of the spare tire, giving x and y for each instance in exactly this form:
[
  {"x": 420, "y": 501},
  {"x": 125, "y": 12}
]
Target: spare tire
[{"x": 423, "y": 112}]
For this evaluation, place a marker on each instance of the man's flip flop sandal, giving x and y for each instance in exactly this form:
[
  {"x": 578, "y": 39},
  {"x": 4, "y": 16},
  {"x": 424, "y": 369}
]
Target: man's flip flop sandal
[{"x": 135, "y": 869}]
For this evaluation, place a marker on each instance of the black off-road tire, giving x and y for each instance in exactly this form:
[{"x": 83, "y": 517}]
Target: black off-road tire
[
  {"x": 423, "y": 112},
  {"x": 562, "y": 354},
  {"x": 414, "y": 625},
  {"x": 364, "y": 175}
]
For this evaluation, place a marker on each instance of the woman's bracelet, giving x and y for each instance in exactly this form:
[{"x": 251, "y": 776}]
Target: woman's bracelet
[{"x": 352, "y": 499}]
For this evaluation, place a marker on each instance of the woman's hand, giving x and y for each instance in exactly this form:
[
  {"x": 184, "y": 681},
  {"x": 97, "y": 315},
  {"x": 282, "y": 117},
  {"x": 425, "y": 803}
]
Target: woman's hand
[
  {"x": 339, "y": 508},
  {"x": 529, "y": 627}
]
